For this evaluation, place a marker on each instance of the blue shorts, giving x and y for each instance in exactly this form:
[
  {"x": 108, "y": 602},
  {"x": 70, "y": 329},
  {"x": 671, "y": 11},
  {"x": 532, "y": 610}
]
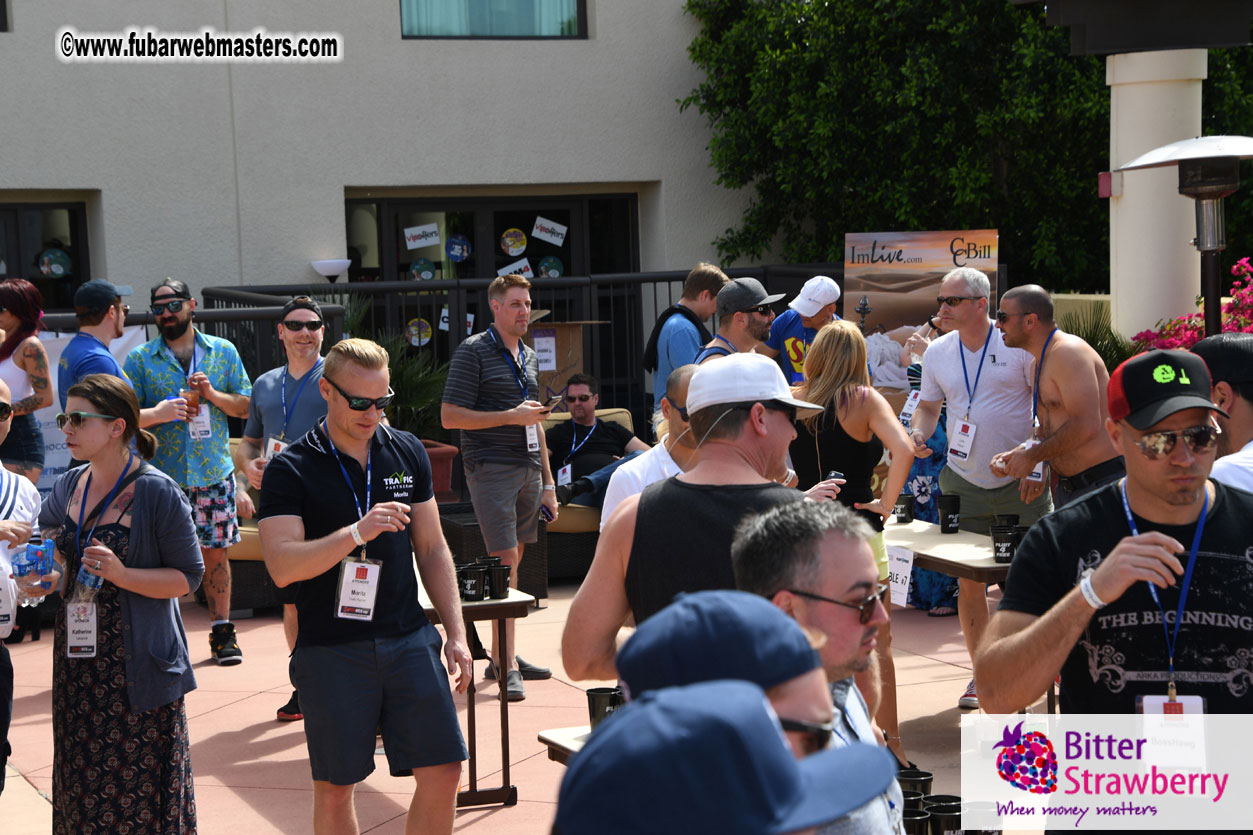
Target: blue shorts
[
  {"x": 25, "y": 444},
  {"x": 349, "y": 690}
]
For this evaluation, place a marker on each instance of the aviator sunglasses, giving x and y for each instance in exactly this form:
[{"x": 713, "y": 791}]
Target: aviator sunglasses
[
  {"x": 1154, "y": 445},
  {"x": 363, "y": 404},
  {"x": 865, "y": 608}
]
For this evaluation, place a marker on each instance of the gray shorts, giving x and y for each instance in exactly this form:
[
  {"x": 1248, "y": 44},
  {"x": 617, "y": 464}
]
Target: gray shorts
[
  {"x": 506, "y": 501},
  {"x": 399, "y": 684}
]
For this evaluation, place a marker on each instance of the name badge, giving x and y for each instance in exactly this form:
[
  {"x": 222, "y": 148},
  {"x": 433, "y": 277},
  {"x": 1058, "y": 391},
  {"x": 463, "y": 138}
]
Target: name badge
[
  {"x": 358, "y": 586},
  {"x": 911, "y": 406},
  {"x": 563, "y": 475},
  {"x": 273, "y": 446},
  {"x": 532, "y": 438},
  {"x": 1163, "y": 705},
  {"x": 960, "y": 441},
  {"x": 1038, "y": 473},
  {"x": 80, "y": 630},
  {"x": 201, "y": 426}
]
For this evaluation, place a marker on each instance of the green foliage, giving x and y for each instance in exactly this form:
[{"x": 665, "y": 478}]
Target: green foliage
[
  {"x": 1091, "y": 324},
  {"x": 1226, "y": 94},
  {"x": 418, "y": 381}
]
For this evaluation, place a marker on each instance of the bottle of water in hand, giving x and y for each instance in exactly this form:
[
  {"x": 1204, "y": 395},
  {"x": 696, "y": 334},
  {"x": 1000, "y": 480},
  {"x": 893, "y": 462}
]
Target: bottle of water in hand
[
  {"x": 24, "y": 568},
  {"x": 41, "y": 553}
]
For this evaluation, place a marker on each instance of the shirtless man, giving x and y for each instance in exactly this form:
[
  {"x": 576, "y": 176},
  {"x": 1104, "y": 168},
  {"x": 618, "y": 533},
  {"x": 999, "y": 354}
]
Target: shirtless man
[{"x": 1070, "y": 403}]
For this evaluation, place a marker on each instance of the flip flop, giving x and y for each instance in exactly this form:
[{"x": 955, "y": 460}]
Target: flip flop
[{"x": 941, "y": 612}]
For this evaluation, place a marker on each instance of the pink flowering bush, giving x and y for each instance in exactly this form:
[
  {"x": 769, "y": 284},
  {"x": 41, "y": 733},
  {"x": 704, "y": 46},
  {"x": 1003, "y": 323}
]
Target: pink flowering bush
[{"x": 1185, "y": 331}]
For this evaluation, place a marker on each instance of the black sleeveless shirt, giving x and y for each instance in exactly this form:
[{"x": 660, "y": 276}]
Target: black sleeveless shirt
[
  {"x": 683, "y": 536},
  {"x": 835, "y": 449}
]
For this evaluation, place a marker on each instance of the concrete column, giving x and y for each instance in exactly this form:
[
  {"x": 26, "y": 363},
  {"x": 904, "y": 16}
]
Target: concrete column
[{"x": 1154, "y": 271}]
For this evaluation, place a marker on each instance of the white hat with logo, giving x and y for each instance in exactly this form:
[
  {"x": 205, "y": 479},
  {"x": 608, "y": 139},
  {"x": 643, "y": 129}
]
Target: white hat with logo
[
  {"x": 817, "y": 293},
  {"x": 742, "y": 378}
]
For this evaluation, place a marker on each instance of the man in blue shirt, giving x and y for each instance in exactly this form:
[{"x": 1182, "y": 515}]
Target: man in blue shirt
[
  {"x": 101, "y": 318},
  {"x": 680, "y": 331},
  {"x": 793, "y": 331}
]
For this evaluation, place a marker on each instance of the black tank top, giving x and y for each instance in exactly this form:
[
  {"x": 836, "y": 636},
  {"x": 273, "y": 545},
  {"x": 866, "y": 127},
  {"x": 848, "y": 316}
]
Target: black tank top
[
  {"x": 683, "y": 536},
  {"x": 837, "y": 450}
]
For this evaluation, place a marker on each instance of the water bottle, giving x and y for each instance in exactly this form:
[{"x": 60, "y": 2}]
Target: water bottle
[
  {"x": 88, "y": 584},
  {"x": 41, "y": 553},
  {"x": 24, "y": 565}
]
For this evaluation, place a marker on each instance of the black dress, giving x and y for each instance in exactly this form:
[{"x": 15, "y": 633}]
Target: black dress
[
  {"x": 114, "y": 771},
  {"x": 835, "y": 449}
]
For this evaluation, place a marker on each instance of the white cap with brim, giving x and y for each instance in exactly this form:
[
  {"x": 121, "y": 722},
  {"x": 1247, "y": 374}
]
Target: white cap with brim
[
  {"x": 817, "y": 293},
  {"x": 742, "y": 378}
]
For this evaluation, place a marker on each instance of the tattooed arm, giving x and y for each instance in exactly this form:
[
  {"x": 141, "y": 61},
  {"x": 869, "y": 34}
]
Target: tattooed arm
[{"x": 33, "y": 359}]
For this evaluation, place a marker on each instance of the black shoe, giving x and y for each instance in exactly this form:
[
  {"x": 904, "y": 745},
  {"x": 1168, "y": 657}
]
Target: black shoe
[
  {"x": 513, "y": 689},
  {"x": 530, "y": 672},
  {"x": 290, "y": 712},
  {"x": 223, "y": 646},
  {"x": 565, "y": 493}
]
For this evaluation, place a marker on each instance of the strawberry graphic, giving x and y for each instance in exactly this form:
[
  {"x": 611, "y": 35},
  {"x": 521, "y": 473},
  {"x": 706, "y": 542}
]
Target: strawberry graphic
[{"x": 1028, "y": 761}]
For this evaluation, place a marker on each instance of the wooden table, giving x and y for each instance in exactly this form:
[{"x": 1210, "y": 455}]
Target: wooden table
[
  {"x": 564, "y": 743},
  {"x": 962, "y": 554},
  {"x": 516, "y": 605}
]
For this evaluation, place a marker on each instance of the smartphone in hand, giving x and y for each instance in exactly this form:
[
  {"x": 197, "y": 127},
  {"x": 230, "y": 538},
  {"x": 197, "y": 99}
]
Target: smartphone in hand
[
  {"x": 553, "y": 402},
  {"x": 545, "y": 513}
]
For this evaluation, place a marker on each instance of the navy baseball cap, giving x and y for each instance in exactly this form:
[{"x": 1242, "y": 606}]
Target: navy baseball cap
[
  {"x": 94, "y": 296},
  {"x": 1152, "y": 386},
  {"x": 711, "y": 635},
  {"x": 710, "y": 757}
]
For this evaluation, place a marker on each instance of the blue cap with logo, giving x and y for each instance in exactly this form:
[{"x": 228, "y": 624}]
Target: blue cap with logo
[
  {"x": 710, "y": 757},
  {"x": 710, "y": 635}
]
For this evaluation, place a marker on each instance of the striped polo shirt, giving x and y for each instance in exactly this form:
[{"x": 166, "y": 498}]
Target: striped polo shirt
[{"x": 483, "y": 377}]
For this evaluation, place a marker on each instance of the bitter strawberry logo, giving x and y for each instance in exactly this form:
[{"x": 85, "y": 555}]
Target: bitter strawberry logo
[{"x": 1028, "y": 761}]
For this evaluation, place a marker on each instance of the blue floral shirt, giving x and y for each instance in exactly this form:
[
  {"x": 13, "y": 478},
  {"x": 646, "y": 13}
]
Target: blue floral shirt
[{"x": 156, "y": 374}]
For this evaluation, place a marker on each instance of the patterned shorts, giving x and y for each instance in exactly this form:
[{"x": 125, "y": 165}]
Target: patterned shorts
[{"x": 213, "y": 511}]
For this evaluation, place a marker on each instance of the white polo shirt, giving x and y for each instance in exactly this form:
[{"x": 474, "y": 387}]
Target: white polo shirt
[{"x": 633, "y": 476}]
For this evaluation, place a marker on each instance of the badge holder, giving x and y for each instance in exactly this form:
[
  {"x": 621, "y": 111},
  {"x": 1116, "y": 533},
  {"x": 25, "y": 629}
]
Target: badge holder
[
  {"x": 358, "y": 587},
  {"x": 201, "y": 426},
  {"x": 273, "y": 446}
]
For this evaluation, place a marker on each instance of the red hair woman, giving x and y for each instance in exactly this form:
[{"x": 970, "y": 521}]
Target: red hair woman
[{"x": 24, "y": 366}]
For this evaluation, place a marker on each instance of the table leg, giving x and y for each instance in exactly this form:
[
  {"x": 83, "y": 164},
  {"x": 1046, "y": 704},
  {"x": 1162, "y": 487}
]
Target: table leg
[
  {"x": 507, "y": 794},
  {"x": 474, "y": 763},
  {"x": 504, "y": 709}
]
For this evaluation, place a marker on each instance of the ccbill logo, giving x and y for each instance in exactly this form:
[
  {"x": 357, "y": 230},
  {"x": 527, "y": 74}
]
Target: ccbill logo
[{"x": 1028, "y": 761}]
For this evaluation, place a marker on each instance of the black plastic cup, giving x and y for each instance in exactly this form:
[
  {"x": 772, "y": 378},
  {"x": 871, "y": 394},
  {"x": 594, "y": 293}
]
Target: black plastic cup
[
  {"x": 1004, "y": 542},
  {"x": 602, "y": 701},
  {"x": 950, "y": 513},
  {"x": 911, "y": 798},
  {"x": 498, "y": 581},
  {"x": 986, "y": 809},
  {"x": 1019, "y": 532},
  {"x": 915, "y": 779},
  {"x": 917, "y": 821},
  {"x": 489, "y": 561},
  {"x": 1005, "y": 519},
  {"x": 904, "y": 509},
  {"x": 474, "y": 583},
  {"x": 930, "y": 800},
  {"x": 945, "y": 818}
]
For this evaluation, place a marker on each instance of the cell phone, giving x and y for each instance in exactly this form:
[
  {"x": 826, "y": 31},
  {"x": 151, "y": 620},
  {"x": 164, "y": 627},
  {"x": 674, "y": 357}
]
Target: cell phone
[
  {"x": 834, "y": 474},
  {"x": 545, "y": 513},
  {"x": 553, "y": 402}
]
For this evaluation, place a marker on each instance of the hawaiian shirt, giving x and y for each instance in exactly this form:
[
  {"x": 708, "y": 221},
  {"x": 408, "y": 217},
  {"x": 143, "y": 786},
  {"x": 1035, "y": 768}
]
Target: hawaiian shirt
[{"x": 156, "y": 375}]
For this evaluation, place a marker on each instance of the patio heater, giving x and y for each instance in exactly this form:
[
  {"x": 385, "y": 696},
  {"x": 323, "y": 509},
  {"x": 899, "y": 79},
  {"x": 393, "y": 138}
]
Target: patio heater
[
  {"x": 1209, "y": 170},
  {"x": 332, "y": 268}
]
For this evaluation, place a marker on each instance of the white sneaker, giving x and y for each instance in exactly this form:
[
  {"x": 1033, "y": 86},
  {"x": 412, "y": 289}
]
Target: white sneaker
[{"x": 969, "y": 699}]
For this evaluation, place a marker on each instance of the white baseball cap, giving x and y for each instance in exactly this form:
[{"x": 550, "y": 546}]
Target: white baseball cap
[
  {"x": 817, "y": 293},
  {"x": 742, "y": 378}
]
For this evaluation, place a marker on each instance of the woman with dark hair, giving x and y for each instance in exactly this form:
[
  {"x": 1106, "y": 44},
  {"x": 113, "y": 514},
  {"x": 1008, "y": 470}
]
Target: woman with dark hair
[
  {"x": 24, "y": 367},
  {"x": 126, "y": 550}
]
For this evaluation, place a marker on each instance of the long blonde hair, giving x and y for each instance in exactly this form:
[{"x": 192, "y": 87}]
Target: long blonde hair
[{"x": 835, "y": 368}]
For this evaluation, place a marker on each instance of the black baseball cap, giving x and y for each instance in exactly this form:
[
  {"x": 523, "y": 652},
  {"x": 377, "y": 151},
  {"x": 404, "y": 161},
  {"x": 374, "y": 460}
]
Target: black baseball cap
[
  {"x": 301, "y": 303},
  {"x": 179, "y": 288},
  {"x": 1152, "y": 386},
  {"x": 1229, "y": 356}
]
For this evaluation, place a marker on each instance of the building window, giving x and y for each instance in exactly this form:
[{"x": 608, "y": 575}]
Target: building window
[
  {"x": 493, "y": 18},
  {"x": 46, "y": 243}
]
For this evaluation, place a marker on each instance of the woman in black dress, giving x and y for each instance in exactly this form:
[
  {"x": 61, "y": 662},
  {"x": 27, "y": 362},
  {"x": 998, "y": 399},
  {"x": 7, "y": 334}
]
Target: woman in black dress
[{"x": 121, "y": 753}]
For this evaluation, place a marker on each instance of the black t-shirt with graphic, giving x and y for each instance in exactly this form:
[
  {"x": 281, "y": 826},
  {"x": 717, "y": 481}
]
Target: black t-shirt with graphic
[
  {"x": 1122, "y": 653},
  {"x": 606, "y": 443}
]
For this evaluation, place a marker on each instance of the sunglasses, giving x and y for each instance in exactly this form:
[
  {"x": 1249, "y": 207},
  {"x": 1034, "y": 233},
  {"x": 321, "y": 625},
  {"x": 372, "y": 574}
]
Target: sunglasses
[
  {"x": 363, "y": 404},
  {"x": 762, "y": 309},
  {"x": 125, "y": 308},
  {"x": 817, "y": 734},
  {"x": 175, "y": 306},
  {"x": 6, "y": 411},
  {"x": 579, "y": 398},
  {"x": 865, "y": 608},
  {"x": 1154, "y": 445},
  {"x": 294, "y": 325},
  {"x": 953, "y": 301},
  {"x": 1003, "y": 317},
  {"x": 76, "y": 419}
]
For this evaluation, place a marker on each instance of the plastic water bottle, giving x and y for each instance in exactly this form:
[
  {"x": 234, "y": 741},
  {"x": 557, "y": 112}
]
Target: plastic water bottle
[
  {"x": 41, "y": 553},
  {"x": 24, "y": 565},
  {"x": 88, "y": 584}
]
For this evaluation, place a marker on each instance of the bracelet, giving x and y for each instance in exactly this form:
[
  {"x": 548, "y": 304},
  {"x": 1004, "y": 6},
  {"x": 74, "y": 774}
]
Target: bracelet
[
  {"x": 1089, "y": 593},
  {"x": 552, "y": 487},
  {"x": 356, "y": 534}
]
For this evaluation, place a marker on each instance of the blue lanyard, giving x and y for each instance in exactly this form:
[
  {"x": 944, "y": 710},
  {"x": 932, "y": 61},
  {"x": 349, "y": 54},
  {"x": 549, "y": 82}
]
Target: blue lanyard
[
  {"x": 519, "y": 374},
  {"x": 574, "y": 433},
  {"x": 192, "y": 368},
  {"x": 1039, "y": 366},
  {"x": 734, "y": 350},
  {"x": 961, "y": 353},
  {"x": 82, "y": 507},
  {"x": 1172, "y": 640},
  {"x": 369, "y": 464},
  {"x": 287, "y": 413}
]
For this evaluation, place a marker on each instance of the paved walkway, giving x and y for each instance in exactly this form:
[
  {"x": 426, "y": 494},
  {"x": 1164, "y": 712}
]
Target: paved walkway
[{"x": 252, "y": 772}]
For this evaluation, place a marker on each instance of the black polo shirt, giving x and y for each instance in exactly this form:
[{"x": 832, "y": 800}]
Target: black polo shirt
[
  {"x": 604, "y": 444},
  {"x": 483, "y": 377},
  {"x": 305, "y": 480}
]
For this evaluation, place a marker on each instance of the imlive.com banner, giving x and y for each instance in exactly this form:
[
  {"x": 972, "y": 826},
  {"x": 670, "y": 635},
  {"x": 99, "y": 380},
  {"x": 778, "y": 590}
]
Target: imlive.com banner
[{"x": 1089, "y": 771}]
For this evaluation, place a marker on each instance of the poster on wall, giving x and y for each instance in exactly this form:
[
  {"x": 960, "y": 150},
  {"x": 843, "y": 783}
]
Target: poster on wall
[
  {"x": 899, "y": 273},
  {"x": 417, "y": 237},
  {"x": 520, "y": 267},
  {"x": 548, "y": 230},
  {"x": 513, "y": 241}
]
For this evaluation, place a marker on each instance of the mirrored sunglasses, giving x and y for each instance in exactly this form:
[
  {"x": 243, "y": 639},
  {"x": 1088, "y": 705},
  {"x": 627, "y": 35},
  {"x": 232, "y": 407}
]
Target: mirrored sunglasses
[
  {"x": 174, "y": 306},
  {"x": 1199, "y": 439},
  {"x": 363, "y": 404}
]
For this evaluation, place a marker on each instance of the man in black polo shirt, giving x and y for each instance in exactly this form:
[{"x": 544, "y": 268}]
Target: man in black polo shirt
[
  {"x": 586, "y": 450},
  {"x": 345, "y": 510},
  {"x": 492, "y": 395}
]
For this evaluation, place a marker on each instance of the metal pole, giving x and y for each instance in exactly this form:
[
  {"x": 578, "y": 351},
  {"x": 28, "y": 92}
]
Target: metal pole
[{"x": 1212, "y": 290}]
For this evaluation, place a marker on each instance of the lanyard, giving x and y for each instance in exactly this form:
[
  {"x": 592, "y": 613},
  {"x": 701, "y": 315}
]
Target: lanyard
[
  {"x": 369, "y": 464},
  {"x": 1172, "y": 640},
  {"x": 518, "y": 373},
  {"x": 729, "y": 345},
  {"x": 82, "y": 507},
  {"x": 287, "y": 413},
  {"x": 961, "y": 353},
  {"x": 575, "y": 434},
  {"x": 1039, "y": 366}
]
